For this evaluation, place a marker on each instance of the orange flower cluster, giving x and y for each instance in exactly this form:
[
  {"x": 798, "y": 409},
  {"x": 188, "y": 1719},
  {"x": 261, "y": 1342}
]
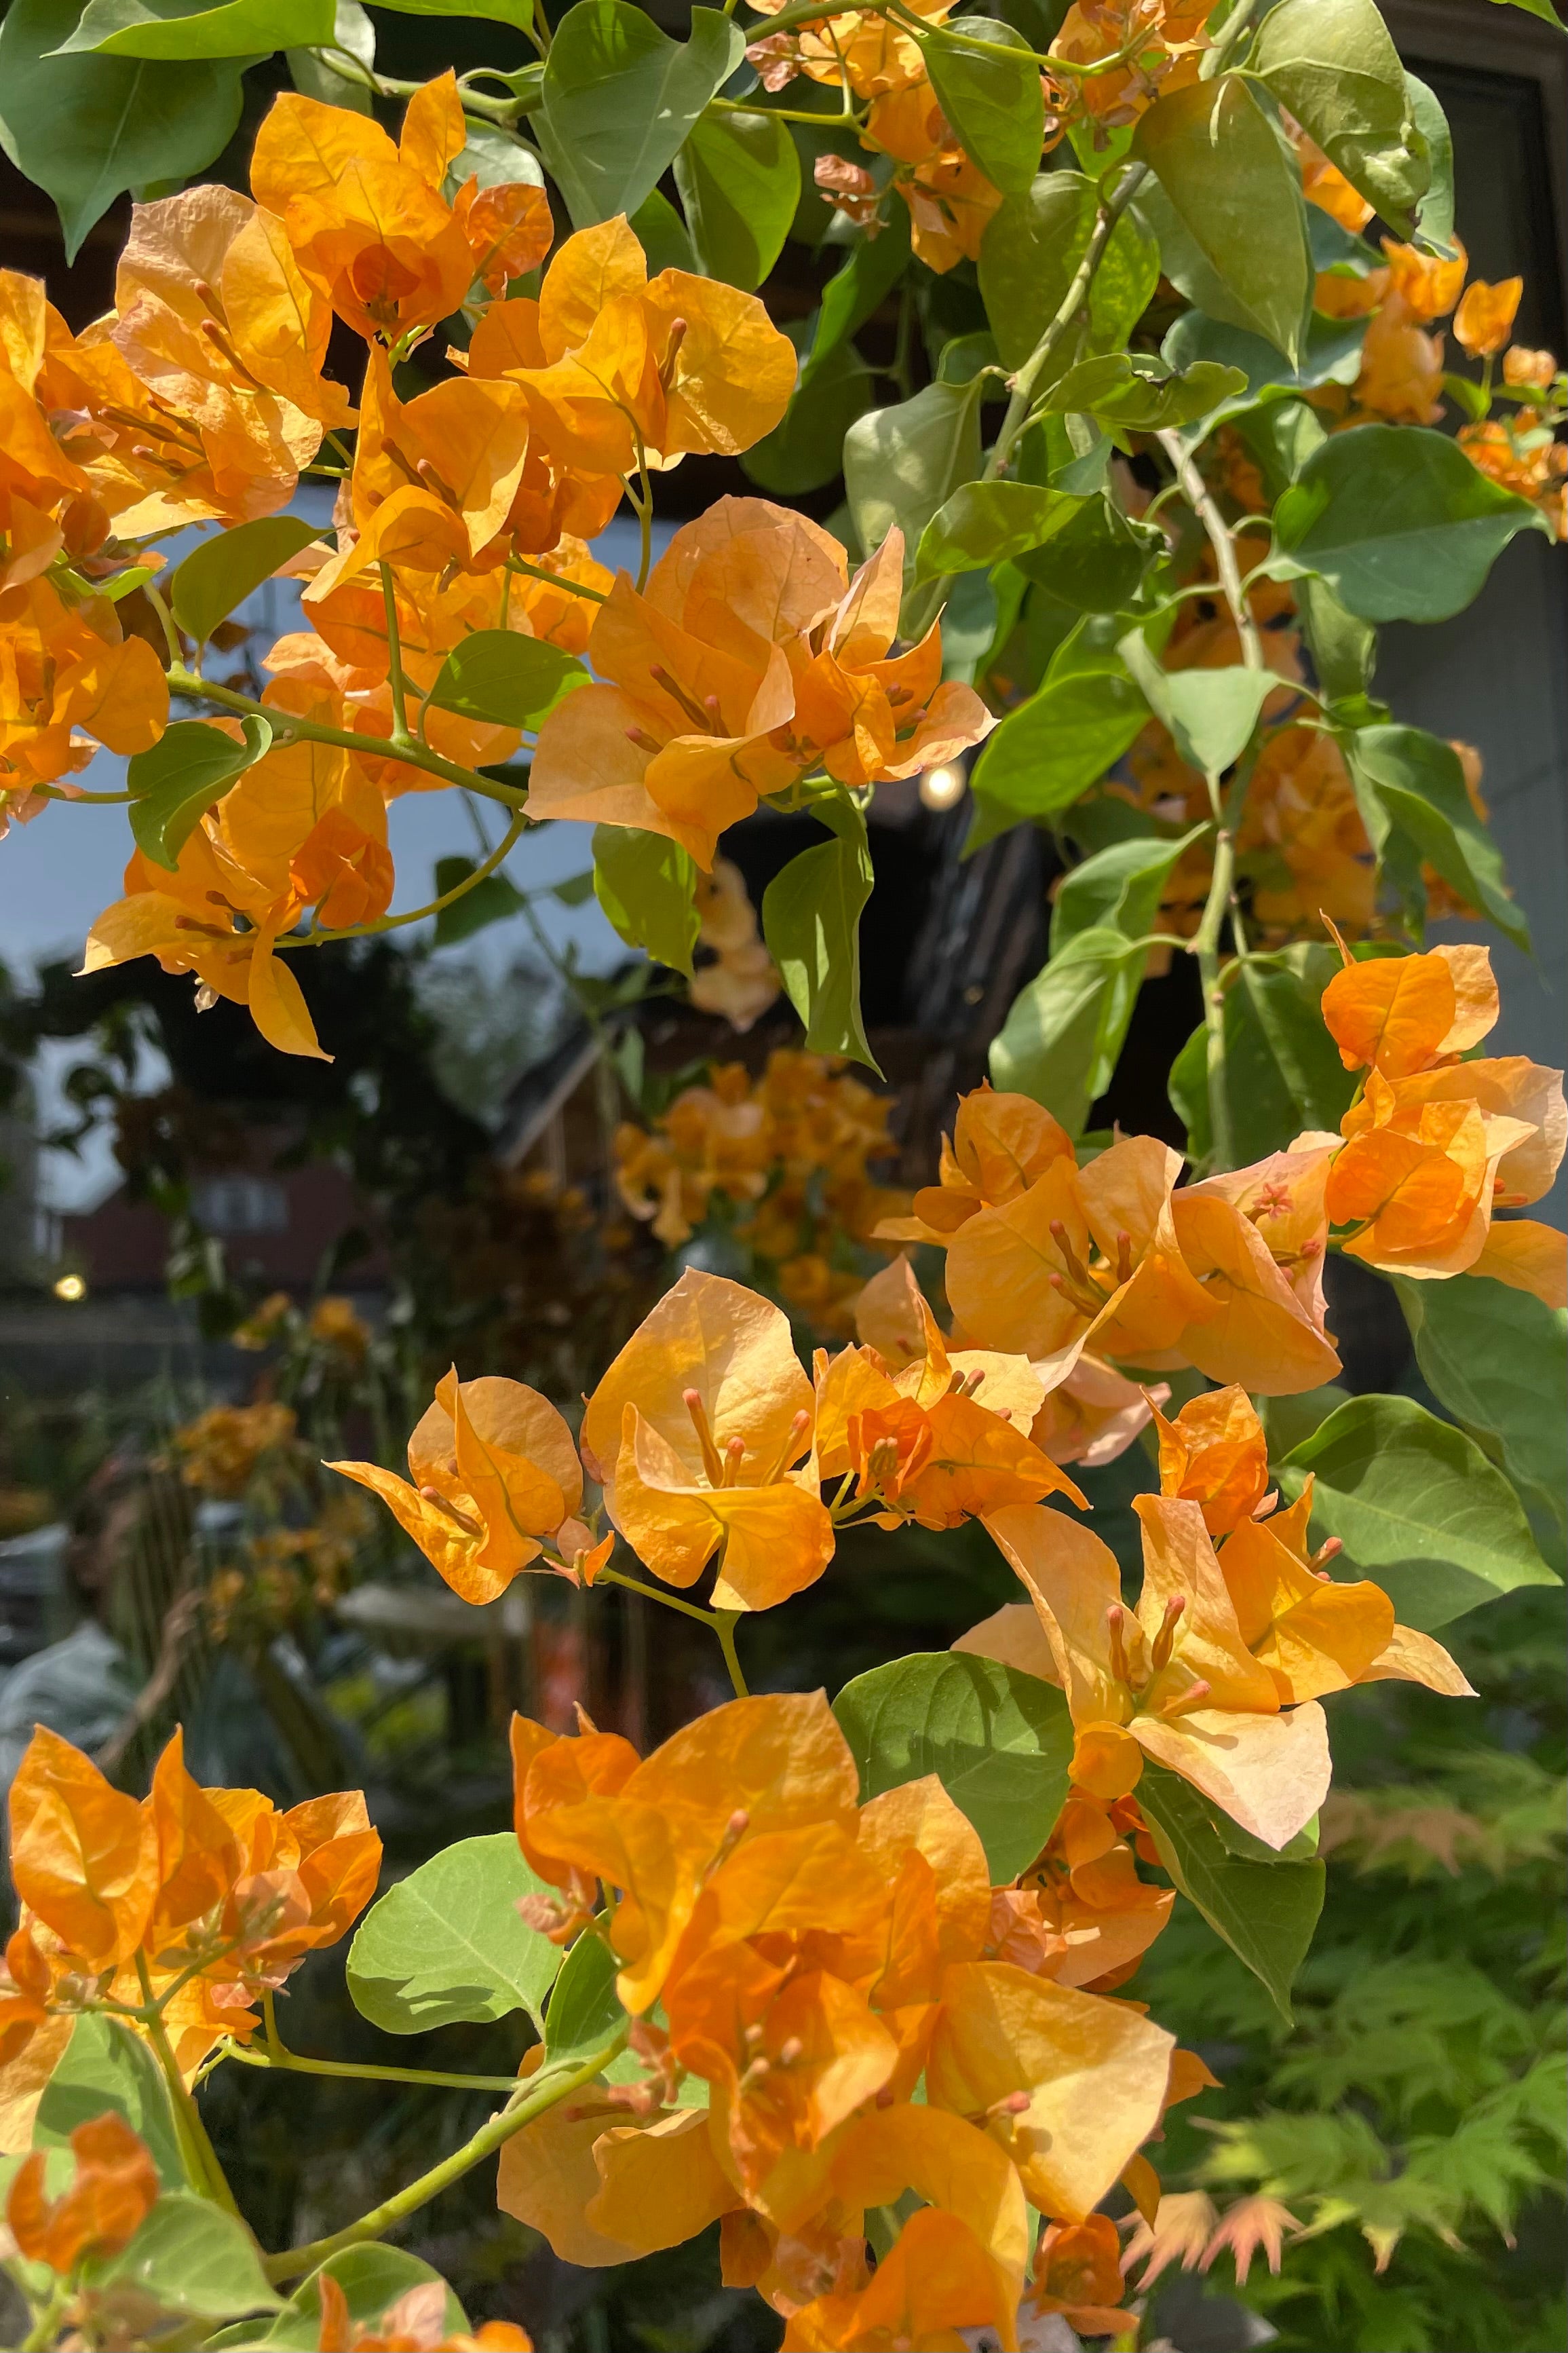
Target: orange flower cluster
[
  {"x": 814, "y": 1962},
  {"x": 494, "y": 1477},
  {"x": 1436, "y": 1143},
  {"x": 192, "y": 1901},
  {"x": 219, "y": 1451},
  {"x": 1401, "y": 377},
  {"x": 1239, "y": 1631},
  {"x": 114, "y": 2190},
  {"x": 805, "y": 1130},
  {"x": 1109, "y": 1261},
  {"x": 750, "y": 660},
  {"x": 202, "y": 398},
  {"x": 1161, "y": 44},
  {"x": 1302, "y": 844}
]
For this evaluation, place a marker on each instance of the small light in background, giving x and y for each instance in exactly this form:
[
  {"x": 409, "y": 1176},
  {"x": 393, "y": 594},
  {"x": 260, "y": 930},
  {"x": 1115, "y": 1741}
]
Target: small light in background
[
  {"x": 70, "y": 1287},
  {"x": 941, "y": 787}
]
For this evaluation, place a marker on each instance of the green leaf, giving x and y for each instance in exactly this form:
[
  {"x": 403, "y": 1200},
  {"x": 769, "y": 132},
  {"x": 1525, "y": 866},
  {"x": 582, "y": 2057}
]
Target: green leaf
[
  {"x": 739, "y": 177},
  {"x": 1030, "y": 257},
  {"x": 1098, "y": 559},
  {"x": 1420, "y": 1508},
  {"x": 1062, "y": 740},
  {"x": 1434, "y": 214},
  {"x": 1343, "y": 648},
  {"x": 321, "y": 76},
  {"x": 986, "y": 522},
  {"x": 84, "y": 128},
  {"x": 445, "y": 1944},
  {"x": 1135, "y": 392},
  {"x": 585, "y": 2012},
  {"x": 1419, "y": 785},
  {"x": 1064, "y": 1030},
  {"x": 1266, "y": 1912},
  {"x": 811, "y": 922},
  {"x": 806, "y": 448},
  {"x": 663, "y": 235},
  {"x": 372, "y": 2277},
  {"x": 223, "y": 571},
  {"x": 851, "y": 295},
  {"x": 1334, "y": 64},
  {"x": 902, "y": 464},
  {"x": 174, "y": 29},
  {"x": 1398, "y": 523},
  {"x": 496, "y": 12},
  {"x": 1211, "y": 713},
  {"x": 1119, "y": 889},
  {"x": 1331, "y": 355},
  {"x": 1497, "y": 1359},
  {"x": 490, "y": 902},
  {"x": 998, "y": 1741},
  {"x": 496, "y": 160},
  {"x": 994, "y": 100},
  {"x": 648, "y": 887},
  {"x": 188, "y": 2256},
  {"x": 192, "y": 765},
  {"x": 507, "y": 680},
  {"x": 1236, "y": 191},
  {"x": 1282, "y": 1069},
  {"x": 105, "y": 2066},
  {"x": 1542, "y": 8},
  {"x": 620, "y": 101}
]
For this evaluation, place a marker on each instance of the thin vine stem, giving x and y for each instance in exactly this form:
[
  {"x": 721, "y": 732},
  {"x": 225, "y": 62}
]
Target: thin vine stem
[
  {"x": 290, "y": 724},
  {"x": 201, "y": 2155},
  {"x": 532, "y": 2098},
  {"x": 1222, "y": 900}
]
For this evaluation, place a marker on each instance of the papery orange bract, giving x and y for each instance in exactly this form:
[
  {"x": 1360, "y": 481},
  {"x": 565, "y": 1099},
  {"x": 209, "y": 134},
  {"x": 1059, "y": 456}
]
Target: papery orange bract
[
  {"x": 1215, "y": 1453},
  {"x": 1082, "y": 1917},
  {"x": 65, "y": 668},
  {"x": 693, "y": 1431},
  {"x": 1172, "y": 1679},
  {"x": 83, "y": 1857},
  {"x": 1312, "y": 1633},
  {"x": 1161, "y": 43},
  {"x": 1004, "y": 2030},
  {"x": 747, "y": 661},
  {"x": 613, "y": 362},
  {"x": 936, "y": 2280},
  {"x": 115, "y": 2189},
  {"x": 494, "y": 1475},
  {"x": 1078, "y": 2272},
  {"x": 368, "y": 225},
  {"x": 776, "y": 1761},
  {"x": 950, "y": 202},
  {"x": 415, "y": 2323},
  {"x": 1484, "y": 319},
  {"x": 1436, "y": 1144}
]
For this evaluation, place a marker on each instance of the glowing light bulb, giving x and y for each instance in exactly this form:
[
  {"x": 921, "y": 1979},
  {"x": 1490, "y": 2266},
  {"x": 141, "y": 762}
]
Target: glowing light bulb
[
  {"x": 70, "y": 1287},
  {"x": 941, "y": 787}
]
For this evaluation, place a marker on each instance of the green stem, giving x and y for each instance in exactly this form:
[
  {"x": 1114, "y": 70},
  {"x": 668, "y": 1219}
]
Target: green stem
[
  {"x": 201, "y": 2157},
  {"x": 293, "y": 2063},
  {"x": 724, "y": 1624},
  {"x": 288, "y": 724},
  {"x": 1222, "y": 899},
  {"x": 652, "y": 1593},
  {"x": 531, "y": 2100},
  {"x": 402, "y": 734},
  {"x": 46, "y": 2327},
  {"x": 1029, "y": 376},
  {"x": 575, "y": 587},
  {"x": 170, "y": 635},
  {"x": 320, "y": 939}
]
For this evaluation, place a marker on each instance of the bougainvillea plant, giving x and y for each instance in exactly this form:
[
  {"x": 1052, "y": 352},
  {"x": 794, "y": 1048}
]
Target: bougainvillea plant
[{"x": 846, "y": 1980}]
